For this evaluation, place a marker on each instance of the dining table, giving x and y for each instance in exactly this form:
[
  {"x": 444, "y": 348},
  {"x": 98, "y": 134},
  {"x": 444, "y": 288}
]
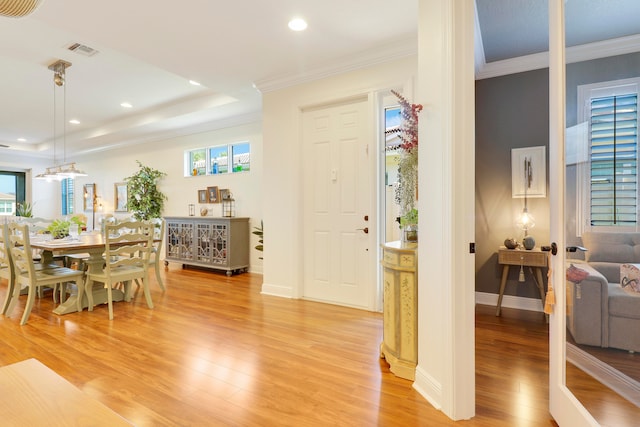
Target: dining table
[{"x": 91, "y": 243}]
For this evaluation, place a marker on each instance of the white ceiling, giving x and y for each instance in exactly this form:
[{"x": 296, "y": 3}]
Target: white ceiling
[{"x": 149, "y": 49}]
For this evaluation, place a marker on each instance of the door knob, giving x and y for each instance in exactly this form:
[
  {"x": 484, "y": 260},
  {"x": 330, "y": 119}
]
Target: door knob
[{"x": 366, "y": 230}]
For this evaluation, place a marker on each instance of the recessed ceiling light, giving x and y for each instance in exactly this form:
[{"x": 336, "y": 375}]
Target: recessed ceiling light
[
  {"x": 298, "y": 24},
  {"x": 74, "y": 121},
  {"x": 22, "y": 140},
  {"x": 126, "y": 105},
  {"x": 195, "y": 83}
]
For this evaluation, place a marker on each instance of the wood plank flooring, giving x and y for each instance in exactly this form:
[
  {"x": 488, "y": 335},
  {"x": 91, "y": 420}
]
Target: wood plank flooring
[{"x": 215, "y": 352}]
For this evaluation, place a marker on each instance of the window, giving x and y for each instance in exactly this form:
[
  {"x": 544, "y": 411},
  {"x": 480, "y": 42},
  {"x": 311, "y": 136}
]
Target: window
[
  {"x": 12, "y": 191},
  {"x": 609, "y": 174},
  {"x": 229, "y": 158},
  {"x": 67, "y": 186}
]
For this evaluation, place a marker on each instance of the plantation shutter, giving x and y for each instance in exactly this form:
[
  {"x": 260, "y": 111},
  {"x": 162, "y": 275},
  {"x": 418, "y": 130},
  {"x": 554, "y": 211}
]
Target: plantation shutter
[
  {"x": 614, "y": 160},
  {"x": 67, "y": 186}
]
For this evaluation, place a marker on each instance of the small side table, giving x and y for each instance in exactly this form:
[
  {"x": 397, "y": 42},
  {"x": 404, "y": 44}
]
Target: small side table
[{"x": 534, "y": 259}]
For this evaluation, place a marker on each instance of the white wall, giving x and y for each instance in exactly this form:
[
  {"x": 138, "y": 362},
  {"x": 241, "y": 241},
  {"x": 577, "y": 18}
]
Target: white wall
[
  {"x": 283, "y": 158},
  {"x": 108, "y": 167}
]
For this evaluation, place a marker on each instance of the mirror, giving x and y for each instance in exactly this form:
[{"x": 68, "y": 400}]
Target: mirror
[{"x": 602, "y": 197}]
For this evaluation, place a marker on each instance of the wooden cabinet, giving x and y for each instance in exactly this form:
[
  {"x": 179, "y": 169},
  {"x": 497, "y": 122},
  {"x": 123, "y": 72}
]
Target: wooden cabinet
[
  {"x": 400, "y": 308},
  {"x": 220, "y": 243}
]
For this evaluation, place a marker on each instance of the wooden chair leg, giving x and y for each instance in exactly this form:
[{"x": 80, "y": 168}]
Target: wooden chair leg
[
  {"x": 29, "y": 305},
  {"x": 147, "y": 293},
  {"x": 8, "y": 297},
  {"x": 158, "y": 278},
  {"x": 110, "y": 300}
]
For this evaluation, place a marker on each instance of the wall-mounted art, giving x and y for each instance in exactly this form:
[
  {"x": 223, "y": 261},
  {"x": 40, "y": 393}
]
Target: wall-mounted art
[
  {"x": 528, "y": 172},
  {"x": 89, "y": 197},
  {"x": 120, "y": 197}
]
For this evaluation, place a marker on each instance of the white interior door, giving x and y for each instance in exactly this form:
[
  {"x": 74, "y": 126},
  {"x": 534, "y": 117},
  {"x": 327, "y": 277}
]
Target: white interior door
[
  {"x": 563, "y": 405},
  {"x": 338, "y": 226}
]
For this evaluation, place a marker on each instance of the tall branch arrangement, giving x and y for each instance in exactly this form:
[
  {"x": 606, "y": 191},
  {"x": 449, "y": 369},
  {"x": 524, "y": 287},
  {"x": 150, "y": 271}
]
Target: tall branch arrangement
[{"x": 406, "y": 190}]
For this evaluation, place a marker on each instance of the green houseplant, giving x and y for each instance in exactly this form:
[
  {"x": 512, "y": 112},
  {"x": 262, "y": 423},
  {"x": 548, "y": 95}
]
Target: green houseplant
[
  {"x": 144, "y": 199},
  {"x": 59, "y": 228},
  {"x": 259, "y": 231},
  {"x": 24, "y": 209}
]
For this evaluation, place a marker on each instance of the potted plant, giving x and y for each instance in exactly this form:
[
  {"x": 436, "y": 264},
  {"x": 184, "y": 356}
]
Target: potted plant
[
  {"x": 259, "y": 231},
  {"x": 24, "y": 209},
  {"x": 407, "y": 187},
  {"x": 59, "y": 228},
  {"x": 144, "y": 199},
  {"x": 409, "y": 225}
]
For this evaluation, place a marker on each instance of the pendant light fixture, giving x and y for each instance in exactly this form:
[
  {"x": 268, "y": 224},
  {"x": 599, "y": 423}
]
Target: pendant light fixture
[
  {"x": 18, "y": 8},
  {"x": 63, "y": 170}
]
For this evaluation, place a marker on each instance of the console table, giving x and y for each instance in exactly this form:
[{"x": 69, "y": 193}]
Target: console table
[
  {"x": 534, "y": 258},
  {"x": 400, "y": 308},
  {"x": 219, "y": 243}
]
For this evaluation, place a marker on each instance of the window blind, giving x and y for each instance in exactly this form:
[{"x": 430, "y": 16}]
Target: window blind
[
  {"x": 67, "y": 186},
  {"x": 614, "y": 160}
]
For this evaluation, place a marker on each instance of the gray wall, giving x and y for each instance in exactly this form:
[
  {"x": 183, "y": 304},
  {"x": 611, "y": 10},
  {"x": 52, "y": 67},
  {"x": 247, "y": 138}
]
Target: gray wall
[{"x": 512, "y": 112}]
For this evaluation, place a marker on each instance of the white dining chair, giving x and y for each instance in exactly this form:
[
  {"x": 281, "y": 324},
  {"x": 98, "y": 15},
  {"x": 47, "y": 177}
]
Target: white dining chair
[
  {"x": 28, "y": 276},
  {"x": 128, "y": 248},
  {"x": 6, "y": 267},
  {"x": 154, "y": 260}
]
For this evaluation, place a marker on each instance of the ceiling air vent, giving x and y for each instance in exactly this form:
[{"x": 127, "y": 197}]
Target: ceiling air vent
[
  {"x": 4, "y": 146},
  {"x": 82, "y": 49}
]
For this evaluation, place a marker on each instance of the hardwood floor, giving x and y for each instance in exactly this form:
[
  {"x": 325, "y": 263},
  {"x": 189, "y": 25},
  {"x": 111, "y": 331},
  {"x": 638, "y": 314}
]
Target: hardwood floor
[{"x": 215, "y": 352}]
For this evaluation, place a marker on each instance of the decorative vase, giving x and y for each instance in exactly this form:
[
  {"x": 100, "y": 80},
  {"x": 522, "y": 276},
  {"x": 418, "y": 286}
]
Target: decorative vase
[
  {"x": 510, "y": 243},
  {"x": 529, "y": 243},
  {"x": 410, "y": 233}
]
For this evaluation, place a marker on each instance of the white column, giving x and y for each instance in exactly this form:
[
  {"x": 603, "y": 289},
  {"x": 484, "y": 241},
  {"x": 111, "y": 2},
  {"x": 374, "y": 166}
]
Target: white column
[{"x": 446, "y": 291}]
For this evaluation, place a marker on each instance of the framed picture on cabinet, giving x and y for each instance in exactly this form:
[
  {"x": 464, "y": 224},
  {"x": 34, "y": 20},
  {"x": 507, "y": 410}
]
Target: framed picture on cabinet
[
  {"x": 225, "y": 194},
  {"x": 214, "y": 195},
  {"x": 202, "y": 196}
]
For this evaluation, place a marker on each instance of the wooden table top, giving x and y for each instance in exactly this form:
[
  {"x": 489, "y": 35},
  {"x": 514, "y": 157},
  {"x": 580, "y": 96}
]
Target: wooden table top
[
  {"x": 84, "y": 242},
  {"x": 34, "y": 395}
]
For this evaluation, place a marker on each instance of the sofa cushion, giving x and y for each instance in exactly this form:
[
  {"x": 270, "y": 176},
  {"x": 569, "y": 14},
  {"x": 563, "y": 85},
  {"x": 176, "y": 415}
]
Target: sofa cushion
[
  {"x": 612, "y": 247},
  {"x": 623, "y": 304},
  {"x": 610, "y": 270},
  {"x": 630, "y": 278}
]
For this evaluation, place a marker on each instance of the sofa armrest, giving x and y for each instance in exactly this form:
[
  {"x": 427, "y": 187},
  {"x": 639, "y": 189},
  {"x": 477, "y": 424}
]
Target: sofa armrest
[{"x": 587, "y": 308}]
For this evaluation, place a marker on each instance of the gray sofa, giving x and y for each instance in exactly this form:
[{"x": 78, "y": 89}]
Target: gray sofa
[{"x": 600, "y": 313}]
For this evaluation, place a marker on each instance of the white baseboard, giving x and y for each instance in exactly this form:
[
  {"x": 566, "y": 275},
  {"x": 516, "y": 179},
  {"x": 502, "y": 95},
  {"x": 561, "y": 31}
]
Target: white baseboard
[
  {"x": 607, "y": 375},
  {"x": 276, "y": 290},
  {"x": 510, "y": 301}
]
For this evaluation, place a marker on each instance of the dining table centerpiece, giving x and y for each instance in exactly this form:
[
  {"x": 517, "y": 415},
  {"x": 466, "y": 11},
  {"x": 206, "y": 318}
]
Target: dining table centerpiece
[{"x": 406, "y": 192}]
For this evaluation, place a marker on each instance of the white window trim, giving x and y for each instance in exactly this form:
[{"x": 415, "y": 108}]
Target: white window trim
[{"x": 582, "y": 149}]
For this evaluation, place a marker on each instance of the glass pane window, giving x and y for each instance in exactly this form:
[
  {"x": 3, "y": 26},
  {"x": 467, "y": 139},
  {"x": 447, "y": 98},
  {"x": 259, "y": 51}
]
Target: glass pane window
[
  {"x": 219, "y": 159},
  {"x": 602, "y": 151},
  {"x": 241, "y": 154},
  {"x": 67, "y": 186},
  {"x": 12, "y": 191},
  {"x": 227, "y": 158},
  {"x": 198, "y": 162},
  {"x": 614, "y": 160}
]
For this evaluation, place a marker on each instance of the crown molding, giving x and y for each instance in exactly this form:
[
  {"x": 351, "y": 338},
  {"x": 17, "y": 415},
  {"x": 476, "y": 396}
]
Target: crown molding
[
  {"x": 585, "y": 52},
  {"x": 390, "y": 52}
]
